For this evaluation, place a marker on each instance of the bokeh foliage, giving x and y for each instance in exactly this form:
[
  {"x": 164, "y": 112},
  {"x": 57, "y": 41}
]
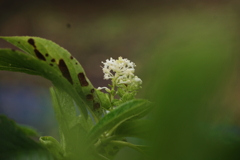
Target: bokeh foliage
[
  {"x": 18, "y": 142},
  {"x": 186, "y": 72}
]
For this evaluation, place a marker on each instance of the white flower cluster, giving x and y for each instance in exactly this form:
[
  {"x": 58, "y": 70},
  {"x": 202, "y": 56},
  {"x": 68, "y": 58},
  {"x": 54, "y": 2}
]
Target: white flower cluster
[{"x": 121, "y": 72}]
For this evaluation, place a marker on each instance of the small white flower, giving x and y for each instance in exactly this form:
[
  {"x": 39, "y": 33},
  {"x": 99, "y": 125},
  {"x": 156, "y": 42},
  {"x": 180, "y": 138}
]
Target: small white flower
[
  {"x": 124, "y": 83},
  {"x": 121, "y": 66},
  {"x": 106, "y": 89},
  {"x": 137, "y": 80},
  {"x": 121, "y": 72}
]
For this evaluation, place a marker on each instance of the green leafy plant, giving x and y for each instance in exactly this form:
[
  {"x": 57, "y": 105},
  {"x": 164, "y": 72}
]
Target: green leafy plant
[{"x": 105, "y": 119}]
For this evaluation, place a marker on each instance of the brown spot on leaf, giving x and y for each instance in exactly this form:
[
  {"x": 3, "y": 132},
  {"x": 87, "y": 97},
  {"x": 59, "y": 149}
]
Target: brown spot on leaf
[
  {"x": 39, "y": 55},
  {"x": 89, "y": 97},
  {"x": 65, "y": 72},
  {"x": 92, "y": 90},
  {"x": 13, "y": 50},
  {"x": 31, "y": 41},
  {"x": 51, "y": 64},
  {"x": 71, "y": 57},
  {"x": 53, "y": 60},
  {"x": 82, "y": 79},
  {"x": 46, "y": 54}
]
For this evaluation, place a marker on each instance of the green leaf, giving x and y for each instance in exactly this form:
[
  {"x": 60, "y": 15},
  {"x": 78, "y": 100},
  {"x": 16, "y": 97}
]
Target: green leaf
[
  {"x": 12, "y": 60},
  {"x": 29, "y": 131},
  {"x": 59, "y": 66},
  {"x": 120, "y": 92},
  {"x": 28, "y": 64},
  {"x": 72, "y": 128},
  {"x": 134, "y": 128},
  {"x": 53, "y": 147},
  {"x": 15, "y": 144},
  {"x": 122, "y": 113},
  {"x": 116, "y": 102},
  {"x": 104, "y": 99},
  {"x": 63, "y": 106},
  {"x": 108, "y": 150},
  {"x": 128, "y": 96}
]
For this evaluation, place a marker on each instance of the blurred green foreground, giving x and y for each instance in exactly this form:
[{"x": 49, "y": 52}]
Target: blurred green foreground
[{"x": 187, "y": 76}]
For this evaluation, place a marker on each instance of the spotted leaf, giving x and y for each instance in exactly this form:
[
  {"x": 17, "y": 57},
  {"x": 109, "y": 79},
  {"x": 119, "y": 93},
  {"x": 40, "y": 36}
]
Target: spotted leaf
[{"x": 63, "y": 64}]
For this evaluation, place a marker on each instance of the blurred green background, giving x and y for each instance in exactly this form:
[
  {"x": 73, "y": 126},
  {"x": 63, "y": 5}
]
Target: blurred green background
[{"x": 186, "y": 53}]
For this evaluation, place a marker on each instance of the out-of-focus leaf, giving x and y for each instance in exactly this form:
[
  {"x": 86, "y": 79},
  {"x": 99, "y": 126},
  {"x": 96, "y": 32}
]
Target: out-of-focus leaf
[
  {"x": 190, "y": 70},
  {"x": 117, "y": 116},
  {"x": 138, "y": 128},
  {"x": 28, "y": 130},
  {"x": 16, "y": 145},
  {"x": 72, "y": 129},
  {"x": 134, "y": 128},
  {"x": 140, "y": 148},
  {"x": 52, "y": 146}
]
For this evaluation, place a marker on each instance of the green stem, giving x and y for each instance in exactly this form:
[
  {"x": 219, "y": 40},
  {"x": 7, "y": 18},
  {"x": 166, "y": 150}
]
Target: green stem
[
  {"x": 101, "y": 157},
  {"x": 106, "y": 140},
  {"x": 130, "y": 145},
  {"x": 112, "y": 93}
]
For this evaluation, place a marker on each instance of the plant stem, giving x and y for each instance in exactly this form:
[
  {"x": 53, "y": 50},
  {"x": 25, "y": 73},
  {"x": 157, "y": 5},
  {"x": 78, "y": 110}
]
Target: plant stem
[
  {"x": 106, "y": 140},
  {"x": 127, "y": 144},
  {"x": 112, "y": 93}
]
